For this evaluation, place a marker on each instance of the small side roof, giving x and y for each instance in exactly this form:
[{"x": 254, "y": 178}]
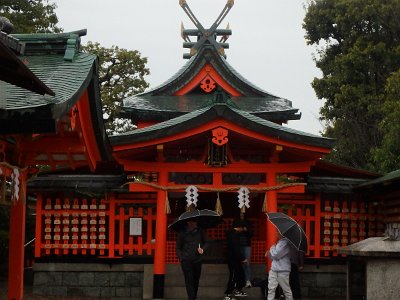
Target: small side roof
[
  {"x": 55, "y": 60},
  {"x": 388, "y": 179}
]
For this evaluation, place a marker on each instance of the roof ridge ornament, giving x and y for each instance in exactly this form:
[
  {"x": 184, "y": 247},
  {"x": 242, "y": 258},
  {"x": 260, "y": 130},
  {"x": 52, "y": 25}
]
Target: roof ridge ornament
[{"x": 205, "y": 36}]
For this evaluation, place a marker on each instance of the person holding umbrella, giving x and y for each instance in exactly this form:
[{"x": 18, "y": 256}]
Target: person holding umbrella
[
  {"x": 291, "y": 234},
  {"x": 191, "y": 243},
  {"x": 190, "y": 246},
  {"x": 295, "y": 235},
  {"x": 297, "y": 263},
  {"x": 280, "y": 268}
]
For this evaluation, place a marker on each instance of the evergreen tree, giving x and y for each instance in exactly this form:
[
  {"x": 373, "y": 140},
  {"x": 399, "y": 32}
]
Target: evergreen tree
[
  {"x": 121, "y": 74},
  {"x": 30, "y": 16},
  {"x": 358, "y": 43}
]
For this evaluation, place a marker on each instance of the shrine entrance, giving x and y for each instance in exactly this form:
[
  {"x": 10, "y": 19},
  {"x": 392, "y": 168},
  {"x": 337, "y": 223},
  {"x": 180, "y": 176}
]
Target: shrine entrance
[{"x": 229, "y": 203}]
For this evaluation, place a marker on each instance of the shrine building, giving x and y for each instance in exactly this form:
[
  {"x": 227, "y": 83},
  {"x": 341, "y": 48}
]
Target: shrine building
[{"x": 205, "y": 137}]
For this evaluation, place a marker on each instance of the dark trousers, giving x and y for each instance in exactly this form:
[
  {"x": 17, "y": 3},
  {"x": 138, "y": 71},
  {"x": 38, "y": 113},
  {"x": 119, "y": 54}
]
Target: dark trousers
[
  {"x": 294, "y": 282},
  {"x": 191, "y": 272},
  {"x": 236, "y": 277}
]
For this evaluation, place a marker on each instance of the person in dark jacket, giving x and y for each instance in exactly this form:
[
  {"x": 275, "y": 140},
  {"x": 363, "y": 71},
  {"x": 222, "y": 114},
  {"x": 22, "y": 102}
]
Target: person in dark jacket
[
  {"x": 245, "y": 244},
  {"x": 297, "y": 263},
  {"x": 190, "y": 246},
  {"x": 235, "y": 258}
]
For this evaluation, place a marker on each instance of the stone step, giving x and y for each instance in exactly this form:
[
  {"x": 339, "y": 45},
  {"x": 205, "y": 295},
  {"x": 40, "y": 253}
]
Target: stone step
[
  {"x": 209, "y": 293},
  {"x": 212, "y": 284}
]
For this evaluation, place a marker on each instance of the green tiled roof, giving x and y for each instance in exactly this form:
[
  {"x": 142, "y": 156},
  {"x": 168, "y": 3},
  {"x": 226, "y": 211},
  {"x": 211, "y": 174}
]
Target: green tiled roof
[
  {"x": 48, "y": 56},
  {"x": 66, "y": 78},
  {"x": 149, "y": 104},
  {"x": 55, "y": 59},
  {"x": 188, "y": 103},
  {"x": 387, "y": 179},
  {"x": 212, "y": 112}
]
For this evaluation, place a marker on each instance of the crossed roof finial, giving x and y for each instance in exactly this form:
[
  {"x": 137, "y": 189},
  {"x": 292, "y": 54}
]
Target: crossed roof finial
[{"x": 205, "y": 36}]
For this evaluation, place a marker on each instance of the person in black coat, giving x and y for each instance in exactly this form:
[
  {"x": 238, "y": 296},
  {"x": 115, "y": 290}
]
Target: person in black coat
[
  {"x": 245, "y": 244},
  {"x": 190, "y": 246},
  {"x": 235, "y": 258}
]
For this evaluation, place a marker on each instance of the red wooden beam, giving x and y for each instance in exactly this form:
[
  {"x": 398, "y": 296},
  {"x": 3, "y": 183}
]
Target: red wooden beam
[
  {"x": 199, "y": 167},
  {"x": 85, "y": 120},
  {"x": 57, "y": 144},
  {"x": 38, "y": 225},
  {"x": 161, "y": 240},
  {"x": 16, "y": 248},
  {"x": 228, "y": 125},
  {"x": 272, "y": 206}
]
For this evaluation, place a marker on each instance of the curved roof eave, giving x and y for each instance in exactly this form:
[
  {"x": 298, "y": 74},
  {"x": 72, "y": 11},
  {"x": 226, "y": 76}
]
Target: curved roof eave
[
  {"x": 67, "y": 79},
  {"x": 224, "y": 111}
]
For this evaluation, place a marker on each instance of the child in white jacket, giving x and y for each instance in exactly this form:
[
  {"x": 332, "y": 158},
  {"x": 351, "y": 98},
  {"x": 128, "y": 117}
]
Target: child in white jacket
[{"x": 280, "y": 269}]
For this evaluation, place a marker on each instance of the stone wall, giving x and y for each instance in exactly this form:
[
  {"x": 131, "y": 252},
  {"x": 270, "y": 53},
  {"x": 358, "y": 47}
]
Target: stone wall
[
  {"x": 328, "y": 281},
  {"x": 88, "y": 280},
  {"x": 135, "y": 281},
  {"x": 317, "y": 282},
  {"x": 383, "y": 278}
]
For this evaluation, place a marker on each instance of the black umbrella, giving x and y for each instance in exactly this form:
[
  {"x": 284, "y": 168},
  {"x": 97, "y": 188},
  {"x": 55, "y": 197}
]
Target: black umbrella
[
  {"x": 206, "y": 218},
  {"x": 290, "y": 229}
]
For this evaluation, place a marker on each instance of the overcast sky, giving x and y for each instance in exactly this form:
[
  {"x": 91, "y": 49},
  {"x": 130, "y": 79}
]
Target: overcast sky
[{"x": 267, "y": 45}]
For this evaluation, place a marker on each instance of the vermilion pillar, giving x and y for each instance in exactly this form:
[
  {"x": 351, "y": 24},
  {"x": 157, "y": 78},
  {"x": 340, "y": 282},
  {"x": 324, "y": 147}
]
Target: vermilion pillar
[
  {"x": 161, "y": 239},
  {"x": 272, "y": 206},
  {"x": 16, "y": 246}
]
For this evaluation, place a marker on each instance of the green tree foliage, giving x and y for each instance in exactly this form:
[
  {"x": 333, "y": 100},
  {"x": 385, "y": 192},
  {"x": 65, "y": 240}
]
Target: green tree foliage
[
  {"x": 387, "y": 156},
  {"x": 30, "y": 16},
  {"x": 121, "y": 74},
  {"x": 358, "y": 44}
]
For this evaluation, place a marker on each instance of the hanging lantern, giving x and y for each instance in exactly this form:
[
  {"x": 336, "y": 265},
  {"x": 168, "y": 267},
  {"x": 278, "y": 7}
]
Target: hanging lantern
[
  {"x": 191, "y": 195},
  {"x": 243, "y": 198}
]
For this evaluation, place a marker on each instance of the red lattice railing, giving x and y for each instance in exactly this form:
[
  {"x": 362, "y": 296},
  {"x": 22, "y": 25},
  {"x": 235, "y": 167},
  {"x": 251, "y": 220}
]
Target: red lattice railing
[{"x": 100, "y": 227}]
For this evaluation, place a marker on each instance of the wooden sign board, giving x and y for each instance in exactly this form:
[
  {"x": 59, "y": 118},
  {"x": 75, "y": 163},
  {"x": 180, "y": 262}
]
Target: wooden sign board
[{"x": 135, "y": 226}]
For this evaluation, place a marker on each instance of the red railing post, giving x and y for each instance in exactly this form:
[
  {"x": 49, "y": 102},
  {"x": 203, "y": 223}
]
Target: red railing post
[
  {"x": 17, "y": 240},
  {"x": 272, "y": 206},
  {"x": 111, "y": 226},
  {"x": 317, "y": 227}
]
